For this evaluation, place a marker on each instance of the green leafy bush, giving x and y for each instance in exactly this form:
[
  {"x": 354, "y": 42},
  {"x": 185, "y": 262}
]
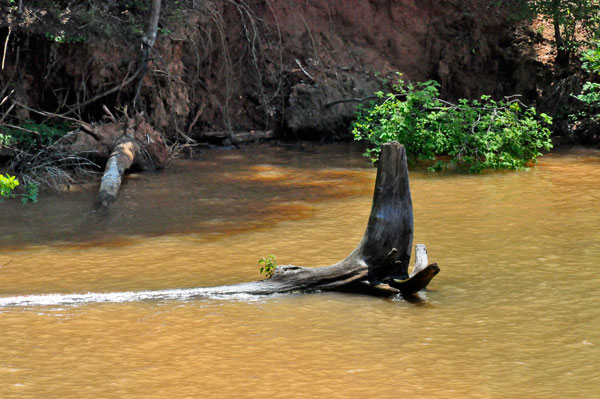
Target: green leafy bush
[
  {"x": 7, "y": 185},
  {"x": 473, "y": 134},
  {"x": 31, "y": 135},
  {"x": 267, "y": 265},
  {"x": 31, "y": 193},
  {"x": 591, "y": 59},
  {"x": 590, "y": 93}
]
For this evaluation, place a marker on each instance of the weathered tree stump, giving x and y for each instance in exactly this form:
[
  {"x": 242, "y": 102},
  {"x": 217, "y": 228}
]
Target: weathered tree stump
[{"x": 379, "y": 264}]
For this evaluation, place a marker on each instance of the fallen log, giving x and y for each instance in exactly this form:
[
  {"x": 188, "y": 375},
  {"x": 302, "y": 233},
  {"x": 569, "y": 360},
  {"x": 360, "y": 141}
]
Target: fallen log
[
  {"x": 240, "y": 137},
  {"x": 379, "y": 264},
  {"x": 120, "y": 160},
  {"x": 139, "y": 145},
  {"x": 130, "y": 142}
]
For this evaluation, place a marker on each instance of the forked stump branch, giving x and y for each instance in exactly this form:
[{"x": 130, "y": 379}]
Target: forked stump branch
[{"x": 379, "y": 264}]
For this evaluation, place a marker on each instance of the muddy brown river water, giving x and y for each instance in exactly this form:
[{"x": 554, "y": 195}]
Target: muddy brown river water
[{"x": 514, "y": 313}]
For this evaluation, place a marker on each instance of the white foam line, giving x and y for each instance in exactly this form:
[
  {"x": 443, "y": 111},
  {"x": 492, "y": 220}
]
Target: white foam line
[{"x": 116, "y": 297}]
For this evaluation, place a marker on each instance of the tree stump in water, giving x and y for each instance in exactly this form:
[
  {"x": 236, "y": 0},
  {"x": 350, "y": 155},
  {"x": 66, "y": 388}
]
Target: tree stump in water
[{"x": 379, "y": 264}]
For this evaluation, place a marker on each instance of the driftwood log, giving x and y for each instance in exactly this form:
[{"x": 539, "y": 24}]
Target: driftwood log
[
  {"x": 131, "y": 142},
  {"x": 379, "y": 264},
  {"x": 140, "y": 145}
]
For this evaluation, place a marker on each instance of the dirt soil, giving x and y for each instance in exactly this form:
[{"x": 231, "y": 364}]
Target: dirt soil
[{"x": 281, "y": 65}]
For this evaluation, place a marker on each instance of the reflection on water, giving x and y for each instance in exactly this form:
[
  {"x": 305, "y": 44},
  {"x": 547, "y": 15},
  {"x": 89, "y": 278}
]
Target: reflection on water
[
  {"x": 515, "y": 311},
  {"x": 222, "y": 192}
]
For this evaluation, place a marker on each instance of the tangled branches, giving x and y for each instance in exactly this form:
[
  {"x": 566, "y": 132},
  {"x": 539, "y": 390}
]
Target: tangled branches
[{"x": 55, "y": 165}]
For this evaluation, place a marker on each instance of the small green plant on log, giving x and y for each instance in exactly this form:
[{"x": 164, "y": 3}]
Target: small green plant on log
[
  {"x": 473, "y": 134},
  {"x": 267, "y": 265}
]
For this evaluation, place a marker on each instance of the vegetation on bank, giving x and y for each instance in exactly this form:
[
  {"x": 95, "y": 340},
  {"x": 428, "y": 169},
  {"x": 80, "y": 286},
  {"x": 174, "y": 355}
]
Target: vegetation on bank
[
  {"x": 41, "y": 157},
  {"x": 469, "y": 134},
  {"x": 9, "y": 183},
  {"x": 575, "y": 23},
  {"x": 476, "y": 134},
  {"x": 590, "y": 92},
  {"x": 472, "y": 134}
]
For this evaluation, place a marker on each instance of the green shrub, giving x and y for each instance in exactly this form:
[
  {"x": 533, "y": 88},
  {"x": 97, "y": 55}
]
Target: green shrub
[
  {"x": 32, "y": 135},
  {"x": 591, "y": 59},
  {"x": 475, "y": 134},
  {"x": 31, "y": 193},
  {"x": 7, "y": 185},
  {"x": 590, "y": 93}
]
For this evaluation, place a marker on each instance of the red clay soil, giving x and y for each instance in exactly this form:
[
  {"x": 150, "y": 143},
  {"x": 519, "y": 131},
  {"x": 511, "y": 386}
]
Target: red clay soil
[{"x": 257, "y": 64}]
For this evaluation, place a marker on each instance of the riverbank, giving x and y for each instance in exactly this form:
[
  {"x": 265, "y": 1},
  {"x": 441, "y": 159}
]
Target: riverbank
[
  {"x": 230, "y": 73},
  {"x": 298, "y": 69}
]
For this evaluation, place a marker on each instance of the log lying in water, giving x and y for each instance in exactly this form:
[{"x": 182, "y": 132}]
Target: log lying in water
[
  {"x": 131, "y": 143},
  {"x": 120, "y": 160},
  {"x": 379, "y": 264}
]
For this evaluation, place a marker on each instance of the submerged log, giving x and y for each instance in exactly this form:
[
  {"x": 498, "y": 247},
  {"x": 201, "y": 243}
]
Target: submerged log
[{"x": 379, "y": 264}]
